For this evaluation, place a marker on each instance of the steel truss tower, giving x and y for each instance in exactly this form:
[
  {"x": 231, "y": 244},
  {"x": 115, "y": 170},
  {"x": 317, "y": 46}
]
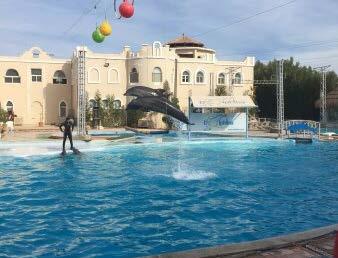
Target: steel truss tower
[
  {"x": 81, "y": 91},
  {"x": 280, "y": 97},
  {"x": 323, "y": 91}
]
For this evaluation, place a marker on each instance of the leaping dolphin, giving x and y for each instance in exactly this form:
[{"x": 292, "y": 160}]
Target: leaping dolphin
[
  {"x": 158, "y": 104},
  {"x": 142, "y": 91}
]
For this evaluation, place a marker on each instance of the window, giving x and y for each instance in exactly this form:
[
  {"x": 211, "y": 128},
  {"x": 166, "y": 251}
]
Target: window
[
  {"x": 238, "y": 78},
  {"x": 186, "y": 77},
  {"x": 157, "y": 74},
  {"x": 221, "y": 78},
  {"x": 200, "y": 77},
  {"x": 113, "y": 76},
  {"x": 63, "y": 109},
  {"x": 133, "y": 76},
  {"x": 36, "y": 53},
  {"x": 9, "y": 106},
  {"x": 12, "y": 76},
  {"x": 117, "y": 104},
  {"x": 94, "y": 76},
  {"x": 59, "y": 77},
  {"x": 157, "y": 49},
  {"x": 36, "y": 75}
]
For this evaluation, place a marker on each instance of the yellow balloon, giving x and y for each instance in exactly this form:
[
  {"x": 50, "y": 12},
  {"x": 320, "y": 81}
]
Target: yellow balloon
[{"x": 105, "y": 28}]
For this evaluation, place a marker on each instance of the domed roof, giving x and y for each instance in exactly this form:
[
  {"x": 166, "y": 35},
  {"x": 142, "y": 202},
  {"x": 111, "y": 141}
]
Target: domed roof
[{"x": 184, "y": 41}]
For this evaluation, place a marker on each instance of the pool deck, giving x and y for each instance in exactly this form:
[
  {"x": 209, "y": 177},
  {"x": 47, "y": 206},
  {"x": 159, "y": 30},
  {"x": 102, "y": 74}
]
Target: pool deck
[
  {"x": 27, "y": 133},
  {"x": 314, "y": 243}
]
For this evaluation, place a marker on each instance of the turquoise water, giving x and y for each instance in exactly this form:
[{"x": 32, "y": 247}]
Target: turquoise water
[{"x": 141, "y": 199}]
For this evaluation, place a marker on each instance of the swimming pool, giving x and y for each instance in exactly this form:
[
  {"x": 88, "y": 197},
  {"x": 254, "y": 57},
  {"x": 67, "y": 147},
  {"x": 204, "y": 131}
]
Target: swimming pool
[{"x": 140, "y": 199}]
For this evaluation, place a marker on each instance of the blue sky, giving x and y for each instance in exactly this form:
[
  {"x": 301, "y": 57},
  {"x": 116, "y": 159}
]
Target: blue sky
[{"x": 278, "y": 34}]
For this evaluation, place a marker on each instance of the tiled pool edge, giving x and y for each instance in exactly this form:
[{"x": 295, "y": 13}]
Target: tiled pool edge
[{"x": 253, "y": 246}]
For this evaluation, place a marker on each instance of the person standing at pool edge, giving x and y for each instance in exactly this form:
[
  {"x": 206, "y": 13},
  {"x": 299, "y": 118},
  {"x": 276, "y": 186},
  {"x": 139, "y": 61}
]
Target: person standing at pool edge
[{"x": 68, "y": 125}]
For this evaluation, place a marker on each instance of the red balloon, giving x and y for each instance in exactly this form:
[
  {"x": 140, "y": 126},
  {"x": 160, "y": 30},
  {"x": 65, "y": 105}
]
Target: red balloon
[{"x": 126, "y": 9}]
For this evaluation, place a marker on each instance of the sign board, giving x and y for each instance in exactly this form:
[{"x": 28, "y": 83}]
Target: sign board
[
  {"x": 223, "y": 102},
  {"x": 230, "y": 122}
]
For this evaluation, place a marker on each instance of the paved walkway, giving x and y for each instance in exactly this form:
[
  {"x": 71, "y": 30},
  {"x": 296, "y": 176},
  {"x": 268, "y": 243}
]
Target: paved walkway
[
  {"x": 319, "y": 247},
  {"x": 313, "y": 243}
]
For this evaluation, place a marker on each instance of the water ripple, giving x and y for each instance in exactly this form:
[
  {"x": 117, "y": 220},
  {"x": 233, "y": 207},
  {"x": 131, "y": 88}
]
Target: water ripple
[{"x": 134, "y": 200}]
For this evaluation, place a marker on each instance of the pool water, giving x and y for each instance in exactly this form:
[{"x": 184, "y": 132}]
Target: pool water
[{"x": 141, "y": 199}]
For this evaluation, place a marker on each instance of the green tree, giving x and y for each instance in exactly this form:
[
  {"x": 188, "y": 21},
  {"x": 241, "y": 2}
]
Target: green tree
[
  {"x": 220, "y": 91},
  {"x": 111, "y": 115},
  {"x": 89, "y": 113},
  {"x": 167, "y": 119},
  {"x": 166, "y": 87},
  {"x": 3, "y": 115},
  {"x": 98, "y": 106},
  {"x": 301, "y": 89}
]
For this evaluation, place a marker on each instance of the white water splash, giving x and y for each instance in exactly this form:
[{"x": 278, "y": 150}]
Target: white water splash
[
  {"x": 192, "y": 175},
  {"x": 29, "y": 149}
]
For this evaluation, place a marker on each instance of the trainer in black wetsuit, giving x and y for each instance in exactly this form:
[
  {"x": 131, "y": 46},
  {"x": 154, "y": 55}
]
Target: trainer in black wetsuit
[{"x": 68, "y": 125}]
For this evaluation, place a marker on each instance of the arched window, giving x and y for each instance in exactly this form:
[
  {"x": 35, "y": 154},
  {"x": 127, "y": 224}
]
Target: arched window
[
  {"x": 200, "y": 77},
  {"x": 157, "y": 49},
  {"x": 133, "y": 76},
  {"x": 59, "y": 77},
  {"x": 185, "y": 77},
  {"x": 94, "y": 75},
  {"x": 238, "y": 78},
  {"x": 221, "y": 79},
  {"x": 9, "y": 106},
  {"x": 12, "y": 76},
  {"x": 157, "y": 74},
  {"x": 117, "y": 104},
  {"x": 63, "y": 109},
  {"x": 113, "y": 76}
]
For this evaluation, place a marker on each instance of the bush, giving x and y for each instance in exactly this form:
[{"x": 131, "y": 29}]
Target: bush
[
  {"x": 112, "y": 116},
  {"x": 109, "y": 115},
  {"x": 3, "y": 115},
  {"x": 133, "y": 116},
  {"x": 169, "y": 121}
]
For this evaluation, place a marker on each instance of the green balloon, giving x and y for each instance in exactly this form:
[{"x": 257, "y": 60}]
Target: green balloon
[{"x": 97, "y": 36}]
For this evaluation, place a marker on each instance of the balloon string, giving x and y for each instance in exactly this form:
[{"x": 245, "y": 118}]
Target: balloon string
[
  {"x": 115, "y": 9},
  {"x": 105, "y": 9},
  {"x": 95, "y": 12}
]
